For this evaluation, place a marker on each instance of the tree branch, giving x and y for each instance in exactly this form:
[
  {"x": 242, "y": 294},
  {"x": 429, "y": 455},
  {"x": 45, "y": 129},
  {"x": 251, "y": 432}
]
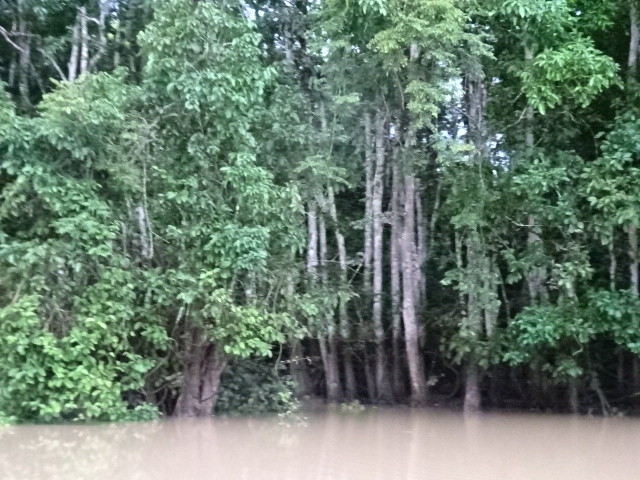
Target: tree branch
[
  {"x": 54, "y": 64},
  {"x": 7, "y": 37}
]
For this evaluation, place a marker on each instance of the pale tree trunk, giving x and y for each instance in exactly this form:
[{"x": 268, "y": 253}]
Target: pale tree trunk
[
  {"x": 103, "y": 7},
  {"x": 368, "y": 216},
  {"x": 328, "y": 340},
  {"x": 13, "y": 65},
  {"x": 84, "y": 41},
  {"x": 312, "y": 241},
  {"x": 24, "y": 56},
  {"x": 613, "y": 263},
  {"x": 345, "y": 329},
  {"x": 421, "y": 257},
  {"x": 474, "y": 318},
  {"x": 72, "y": 66},
  {"x": 383, "y": 385},
  {"x": 634, "y": 40},
  {"x": 201, "y": 378},
  {"x": 368, "y": 243},
  {"x": 396, "y": 293},
  {"x": 632, "y": 64},
  {"x": 411, "y": 331}
]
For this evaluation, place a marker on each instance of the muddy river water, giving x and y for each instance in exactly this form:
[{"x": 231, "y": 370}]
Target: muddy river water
[{"x": 377, "y": 444}]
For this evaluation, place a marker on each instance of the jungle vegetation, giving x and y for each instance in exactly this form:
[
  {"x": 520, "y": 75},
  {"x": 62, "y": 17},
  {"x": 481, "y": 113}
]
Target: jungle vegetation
[{"x": 384, "y": 201}]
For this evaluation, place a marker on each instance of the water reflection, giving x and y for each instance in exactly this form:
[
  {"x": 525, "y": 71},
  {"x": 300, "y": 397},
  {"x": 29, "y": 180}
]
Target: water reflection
[{"x": 374, "y": 445}]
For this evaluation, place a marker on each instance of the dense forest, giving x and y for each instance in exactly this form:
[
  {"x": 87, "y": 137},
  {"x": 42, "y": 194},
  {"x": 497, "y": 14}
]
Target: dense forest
[{"x": 227, "y": 205}]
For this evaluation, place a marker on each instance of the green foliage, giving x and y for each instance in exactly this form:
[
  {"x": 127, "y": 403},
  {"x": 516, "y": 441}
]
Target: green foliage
[
  {"x": 556, "y": 334},
  {"x": 574, "y": 72},
  {"x": 250, "y": 387},
  {"x": 80, "y": 376}
]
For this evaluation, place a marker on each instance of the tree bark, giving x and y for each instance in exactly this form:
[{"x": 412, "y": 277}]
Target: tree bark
[
  {"x": 328, "y": 341},
  {"x": 396, "y": 293},
  {"x": 634, "y": 40},
  {"x": 411, "y": 332},
  {"x": 201, "y": 378},
  {"x": 24, "y": 57},
  {"x": 383, "y": 386},
  {"x": 72, "y": 66},
  {"x": 471, "y": 389},
  {"x": 84, "y": 41},
  {"x": 368, "y": 216},
  {"x": 345, "y": 329},
  {"x": 421, "y": 253},
  {"x": 572, "y": 392}
]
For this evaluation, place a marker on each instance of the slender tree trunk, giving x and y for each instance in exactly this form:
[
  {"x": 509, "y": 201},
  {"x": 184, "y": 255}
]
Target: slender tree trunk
[
  {"x": 633, "y": 257},
  {"x": 370, "y": 376},
  {"x": 634, "y": 40},
  {"x": 574, "y": 403},
  {"x": 345, "y": 329},
  {"x": 84, "y": 41},
  {"x": 72, "y": 66},
  {"x": 396, "y": 293},
  {"x": 471, "y": 388},
  {"x": 298, "y": 369},
  {"x": 421, "y": 254},
  {"x": 383, "y": 385},
  {"x": 411, "y": 332},
  {"x": 368, "y": 211},
  {"x": 103, "y": 8},
  {"x": 24, "y": 56},
  {"x": 328, "y": 340},
  {"x": 13, "y": 64},
  {"x": 613, "y": 264},
  {"x": 201, "y": 378},
  {"x": 474, "y": 317},
  {"x": 312, "y": 241}
]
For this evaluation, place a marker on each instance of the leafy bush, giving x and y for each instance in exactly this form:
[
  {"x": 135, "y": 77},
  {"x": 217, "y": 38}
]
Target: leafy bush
[{"x": 250, "y": 387}]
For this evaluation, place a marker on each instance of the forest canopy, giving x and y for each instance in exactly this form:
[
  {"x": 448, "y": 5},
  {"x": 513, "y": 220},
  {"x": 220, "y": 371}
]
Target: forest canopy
[{"x": 384, "y": 201}]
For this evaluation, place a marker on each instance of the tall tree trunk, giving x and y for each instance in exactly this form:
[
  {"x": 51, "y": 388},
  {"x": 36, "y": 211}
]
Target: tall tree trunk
[
  {"x": 634, "y": 40},
  {"x": 474, "y": 318},
  {"x": 13, "y": 64},
  {"x": 201, "y": 378},
  {"x": 572, "y": 394},
  {"x": 383, "y": 385},
  {"x": 411, "y": 332},
  {"x": 345, "y": 329},
  {"x": 471, "y": 388},
  {"x": 328, "y": 340},
  {"x": 613, "y": 262},
  {"x": 421, "y": 255},
  {"x": 84, "y": 41},
  {"x": 24, "y": 56},
  {"x": 368, "y": 210},
  {"x": 103, "y": 9},
  {"x": 312, "y": 242},
  {"x": 72, "y": 66},
  {"x": 298, "y": 369},
  {"x": 396, "y": 293}
]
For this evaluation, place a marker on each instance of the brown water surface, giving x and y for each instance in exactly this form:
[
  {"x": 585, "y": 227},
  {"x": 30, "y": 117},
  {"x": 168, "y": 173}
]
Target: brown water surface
[{"x": 373, "y": 445}]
